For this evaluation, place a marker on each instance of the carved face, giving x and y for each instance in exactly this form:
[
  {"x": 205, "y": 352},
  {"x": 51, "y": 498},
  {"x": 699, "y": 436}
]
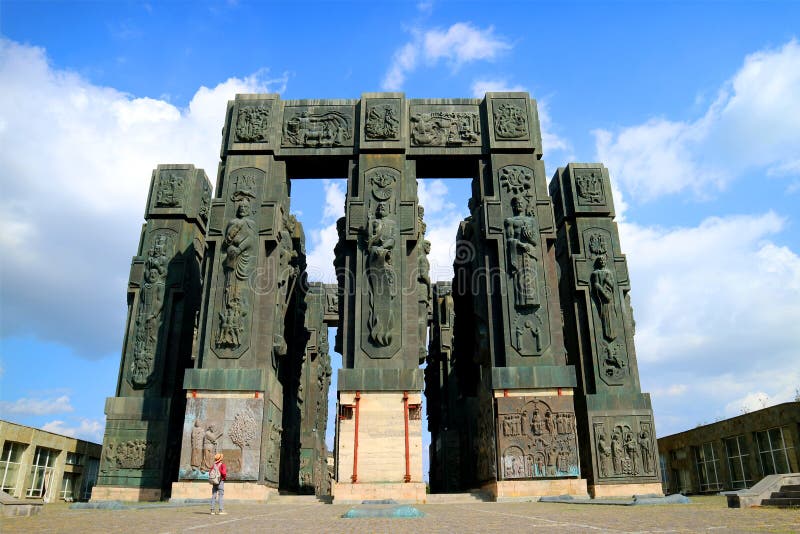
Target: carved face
[
  {"x": 382, "y": 210},
  {"x": 600, "y": 262},
  {"x": 518, "y": 205},
  {"x": 243, "y": 210},
  {"x": 426, "y": 246}
]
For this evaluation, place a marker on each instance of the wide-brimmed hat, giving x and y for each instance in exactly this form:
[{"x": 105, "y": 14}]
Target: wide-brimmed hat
[{"x": 218, "y": 457}]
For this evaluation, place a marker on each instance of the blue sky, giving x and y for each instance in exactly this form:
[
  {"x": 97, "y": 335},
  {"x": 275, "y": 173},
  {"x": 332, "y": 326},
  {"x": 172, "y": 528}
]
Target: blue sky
[{"x": 694, "y": 107}]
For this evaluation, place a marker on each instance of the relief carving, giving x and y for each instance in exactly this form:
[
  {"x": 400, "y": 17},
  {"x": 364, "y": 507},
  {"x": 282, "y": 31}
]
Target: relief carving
[
  {"x": 288, "y": 270},
  {"x": 527, "y": 334},
  {"x": 603, "y": 290},
  {"x": 205, "y": 201},
  {"x": 148, "y": 315},
  {"x": 424, "y": 297},
  {"x": 510, "y": 121},
  {"x": 170, "y": 190},
  {"x": 211, "y": 439},
  {"x": 381, "y": 239},
  {"x": 590, "y": 188},
  {"x": 243, "y": 429},
  {"x": 132, "y": 454},
  {"x": 442, "y": 128},
  {"x": 521, "y": 242},
  {"x": 382, "y": 121},
  {"x": 198, "y": 433},
  {"x": 252, "y": 124},
  {"x": 538, "y": 439},
  {"x": 238, "y": 263},
  {"x": 326, "y": 129},
  {"x": 628, "y": 452}
]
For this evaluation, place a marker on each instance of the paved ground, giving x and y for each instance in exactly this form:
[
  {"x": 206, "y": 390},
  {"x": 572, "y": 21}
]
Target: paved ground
[{"x": 702, "y": 515}]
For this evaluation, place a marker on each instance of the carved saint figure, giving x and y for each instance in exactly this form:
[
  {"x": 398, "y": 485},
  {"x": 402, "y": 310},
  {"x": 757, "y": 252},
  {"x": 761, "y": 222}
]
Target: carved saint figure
[
  {"x": 210, "y": 440},
  {"x": 603, "y": 288},
  {"x": 170, "y": 191},
  {"x": 645, "y": 446},
  {"x": 424, "y": 296},
  {"x": 604, "y": 452},
  {"x": 238, "y": 263},
  {"x": 381, "y": 238},
  {"x": 617, "y": 452},
  {"x": 148, "y": 315},
  {"x": 198, "y": 433},
  {"x": 522, "y": 242},
  {"x": 632, "y": 452},
  {"x": 288, "y": 271}
]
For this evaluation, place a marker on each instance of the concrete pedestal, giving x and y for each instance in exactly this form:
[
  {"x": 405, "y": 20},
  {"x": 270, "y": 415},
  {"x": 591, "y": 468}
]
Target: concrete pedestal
[
  {"x": 515, "y": 490},
  {"x": 125, "y": 494},
  {"x": 379, "y": 446},
  {"x": 234, "y": 491},
  {"x": 601, "y": 491}
]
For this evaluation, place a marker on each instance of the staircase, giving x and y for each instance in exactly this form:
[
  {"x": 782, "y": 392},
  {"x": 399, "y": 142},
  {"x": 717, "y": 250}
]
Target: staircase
[{"x": 787, "y": 497}]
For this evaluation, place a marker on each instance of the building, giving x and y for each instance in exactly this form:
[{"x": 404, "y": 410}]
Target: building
[
  {"x": 42, "y": 465},
  {"x": 732, "y": 454}
]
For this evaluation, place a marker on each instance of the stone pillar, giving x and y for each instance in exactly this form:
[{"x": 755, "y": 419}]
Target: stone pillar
[
  {"x": 235, "y": 396},
  {"x": 615, "y": 419},
  {"x": 379, "y": 429},
  {"x": 441, "y": 393},
  {"x": 525, "y": 434},
  {"x": 143, "y": 420}
]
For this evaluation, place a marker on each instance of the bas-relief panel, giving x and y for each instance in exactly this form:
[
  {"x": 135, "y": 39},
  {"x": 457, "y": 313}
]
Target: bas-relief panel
[
  {"x": 149, "y": 317},
  {"x": 537, "y": 437},
  {"x": 625, "y": 447},
  {"x": 252, "y": 123},
  {"x": 528, "y": 328},
  {"x": 382, "y": 119},
  {"x": 589, "y": 187},
  {"x": 232, "y": 322},
  {"x": 445, "y": 126},
  {"x": 606, "y": 303},
  {"x": 510, "y": 119},
  {"x": 228, "y": 426},
  {"x": 318, "y": 126}
]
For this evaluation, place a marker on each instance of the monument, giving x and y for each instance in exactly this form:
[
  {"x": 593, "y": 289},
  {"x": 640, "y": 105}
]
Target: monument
[{"x": 530, "y": 371}]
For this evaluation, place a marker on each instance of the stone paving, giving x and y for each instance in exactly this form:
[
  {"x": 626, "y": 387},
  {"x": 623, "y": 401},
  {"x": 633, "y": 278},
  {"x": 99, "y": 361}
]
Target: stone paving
[{"x": 704, "y": 514}]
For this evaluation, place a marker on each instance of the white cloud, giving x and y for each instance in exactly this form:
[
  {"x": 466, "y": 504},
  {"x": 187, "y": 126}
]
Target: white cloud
[
  {"x": 482, "y": 86},
  {"x": 716, "y": 309},
  {"x": 319, "y": 258},
  {"x": 86, "y": 429},
  {"x": 27, "y": 407},
  {"x": 752, "y": 125},
  {"x": 459, "y": 44},
  {"x": 76, "y": 162}
]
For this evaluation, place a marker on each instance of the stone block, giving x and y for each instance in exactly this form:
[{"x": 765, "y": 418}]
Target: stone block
[
  {"x": 234, "y": 491},
  {"x": 403, "y": 493},
  {"x": 505, "y": 490},
  {"x": 602, "y": 491},
  {"x": 125, "y": 494},
  {"x": 225, "y": 379}
]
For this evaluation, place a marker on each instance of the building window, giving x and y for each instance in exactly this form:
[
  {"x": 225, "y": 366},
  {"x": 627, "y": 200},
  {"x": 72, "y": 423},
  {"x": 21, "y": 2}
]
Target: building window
[
  {"x": 89, "y": 477},
  {"x": 773, "y": 454},
  {"x": 68, "y": 486},
  {"x": 44, "y": 461},
  {"x": 738, "y": 457},
  {"x": 664, "y": 476},
  {"x": 73, "y": 458},
  {"x": 10, "y": 462},
  {"x": 707, "y": 468}
]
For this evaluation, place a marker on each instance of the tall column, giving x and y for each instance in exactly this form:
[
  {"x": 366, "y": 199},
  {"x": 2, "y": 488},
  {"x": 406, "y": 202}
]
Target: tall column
[
  {"x": 379, "y": 430},
  {"x": 254, "y": 261},
  {"x": 525, "y": 430},
  {"x": 143, "y": 420},
  {"x": 615, "y": 419}
]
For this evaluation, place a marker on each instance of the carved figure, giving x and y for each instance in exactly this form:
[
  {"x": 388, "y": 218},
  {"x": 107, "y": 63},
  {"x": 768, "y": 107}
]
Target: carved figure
[
  {"x": 148, "y": 315},
  {"x": 424, "y": 296},
  {"x": 604, "y": 451},
  {"x": 238, "y": 263},
  {"x": 632, "y": 453},
  {"x": 510, "y": 122},
  {"x": 440, "y": 128},
  {"x": 210, "y": 440},
  {"x": 590, "y": 189},
  {"x": 327, "y": 129},
  {"x": 288, "y": 270},
  {"x": 382, "y": 122},
  {"x": 198, "y": 433},
  {"x": 252, "y": 124},
  {"x": 522, "y": 242},
  {"x": 645, "y": 447},
  {"x": 381, "y": 238},
  {"x": 170, "y": 191},
  {"x": 603, "y": 288},
  {"x": 617, "y": 452}
]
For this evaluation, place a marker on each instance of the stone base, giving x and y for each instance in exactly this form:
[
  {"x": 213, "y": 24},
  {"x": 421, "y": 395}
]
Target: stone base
[
  {"x": 602, "y": 491},
  {"x": 13, "y": 507},
  {"x": 401, "y": 492},
  {"x": 524, "y": 490},
  {"x": 234, "y": 491},
  {"x": 126, "y": 494}
]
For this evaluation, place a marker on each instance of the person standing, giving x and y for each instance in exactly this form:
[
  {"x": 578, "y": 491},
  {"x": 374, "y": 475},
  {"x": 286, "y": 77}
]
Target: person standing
[{"x": 218, "y": 489}]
